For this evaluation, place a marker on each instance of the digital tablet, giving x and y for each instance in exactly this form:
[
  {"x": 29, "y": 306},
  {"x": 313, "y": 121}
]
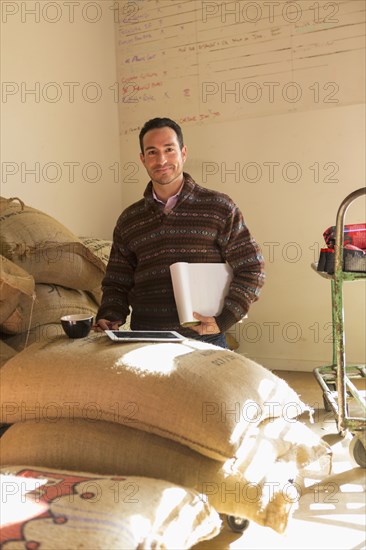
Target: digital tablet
[{"x": 144, "y": 336}]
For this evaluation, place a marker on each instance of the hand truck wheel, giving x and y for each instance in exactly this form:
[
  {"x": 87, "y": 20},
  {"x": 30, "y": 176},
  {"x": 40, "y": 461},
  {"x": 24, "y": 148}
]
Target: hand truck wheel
[
  {"x": 358, "y": 451},
  {"x": 236, "y": 524}
]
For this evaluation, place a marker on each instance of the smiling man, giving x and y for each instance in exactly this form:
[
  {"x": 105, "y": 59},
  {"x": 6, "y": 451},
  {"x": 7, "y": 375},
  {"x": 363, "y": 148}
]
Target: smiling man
[
  {"x": 163, "y": 157},
  {"x": 176, "y": 221}
]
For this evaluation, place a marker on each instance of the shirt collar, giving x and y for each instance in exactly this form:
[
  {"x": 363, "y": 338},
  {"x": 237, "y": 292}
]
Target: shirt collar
[{"x": 172, "y": 197}]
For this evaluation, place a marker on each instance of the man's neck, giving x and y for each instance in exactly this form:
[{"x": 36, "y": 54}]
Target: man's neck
[{"x": 164, "y": 192}]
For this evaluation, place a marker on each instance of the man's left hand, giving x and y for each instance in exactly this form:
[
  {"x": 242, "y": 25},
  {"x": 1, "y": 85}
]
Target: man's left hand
[{"x": 207, "y": 327}]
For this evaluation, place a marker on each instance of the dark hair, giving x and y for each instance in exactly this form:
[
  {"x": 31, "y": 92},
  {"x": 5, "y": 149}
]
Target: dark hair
[{"x": 160, "y": 123}]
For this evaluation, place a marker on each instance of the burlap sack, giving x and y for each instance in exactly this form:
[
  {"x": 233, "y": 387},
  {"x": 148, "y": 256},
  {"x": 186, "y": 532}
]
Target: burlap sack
[
  {"x": 8, "y": 302},
  {"x": 46, "y": 249},
  {"x": 51, "y": 303},
  {"x": 101, "y": 248},
  {"x": 39, "y": 333},
  {"x": 255, "y": 487},
  {"x": 14, "y": 283},
  {"x": 197, "y": 394},
  {"x": 6, "y": 353},
  {"x": 6, "y": 202},
  {"x": 59, "y": 510}
]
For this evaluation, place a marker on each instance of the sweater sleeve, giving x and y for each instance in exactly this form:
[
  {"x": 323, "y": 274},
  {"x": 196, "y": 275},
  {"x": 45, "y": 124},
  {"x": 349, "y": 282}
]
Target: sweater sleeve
[
  {"x": 243, "y": 254},
  {"x": 118, "y": 280}
]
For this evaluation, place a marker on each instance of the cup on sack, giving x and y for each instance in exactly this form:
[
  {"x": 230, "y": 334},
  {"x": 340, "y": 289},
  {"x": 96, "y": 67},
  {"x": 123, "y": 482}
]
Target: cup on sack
[{"x": 78, "y": 325}]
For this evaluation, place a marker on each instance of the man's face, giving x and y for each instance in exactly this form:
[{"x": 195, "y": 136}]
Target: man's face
[{"x": 162, "y": 157}]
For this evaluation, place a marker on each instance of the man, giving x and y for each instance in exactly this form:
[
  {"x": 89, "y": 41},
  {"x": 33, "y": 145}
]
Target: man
[{"x": 176, "y": 221}]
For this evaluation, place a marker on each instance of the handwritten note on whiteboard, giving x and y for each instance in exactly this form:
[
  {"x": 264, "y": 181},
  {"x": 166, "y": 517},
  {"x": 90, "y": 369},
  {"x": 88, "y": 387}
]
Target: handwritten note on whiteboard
[{"x": 200, "y": 61}]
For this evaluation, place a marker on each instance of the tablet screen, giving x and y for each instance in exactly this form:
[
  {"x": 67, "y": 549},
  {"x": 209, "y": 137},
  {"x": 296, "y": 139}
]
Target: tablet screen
[{"x": 144, "y": 335}]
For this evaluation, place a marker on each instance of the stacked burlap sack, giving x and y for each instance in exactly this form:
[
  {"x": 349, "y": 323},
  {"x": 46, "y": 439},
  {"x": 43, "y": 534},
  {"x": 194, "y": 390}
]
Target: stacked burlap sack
[
  {"x": 46, "y": 272},
  {"x": 189, "y": 413}
]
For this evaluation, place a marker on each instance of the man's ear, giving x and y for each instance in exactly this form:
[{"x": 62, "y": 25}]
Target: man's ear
[
  {"x": 142, "y": 158},
  {"x": 184, "y": 153}
]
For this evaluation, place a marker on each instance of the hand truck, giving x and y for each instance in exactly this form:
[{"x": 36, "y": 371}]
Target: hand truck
[{"x": 335, "y": 379}]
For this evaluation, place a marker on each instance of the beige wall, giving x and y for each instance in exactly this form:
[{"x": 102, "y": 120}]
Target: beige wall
[{"x": 59, "y": 142}]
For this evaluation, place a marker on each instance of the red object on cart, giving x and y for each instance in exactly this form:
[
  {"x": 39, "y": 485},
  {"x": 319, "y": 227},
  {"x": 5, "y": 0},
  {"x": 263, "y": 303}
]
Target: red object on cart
[
  {"x": 354, "y": 251},
  {"x": 354, "y": 234}
]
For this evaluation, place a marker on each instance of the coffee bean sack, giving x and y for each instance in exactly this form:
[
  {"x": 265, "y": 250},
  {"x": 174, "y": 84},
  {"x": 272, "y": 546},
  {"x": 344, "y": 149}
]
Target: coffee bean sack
[
  {"x": 6, "y": 353},
  {"x": 255, "y": 487},
  {"x": 15, "y": 284},
  {"x": 101, "y": 248},
  {"x": 211, "y": 396},
  {"x": 52, "y": 508},
  {"x": 51, "y": 303},
  {"x": 46, "y": 249}
]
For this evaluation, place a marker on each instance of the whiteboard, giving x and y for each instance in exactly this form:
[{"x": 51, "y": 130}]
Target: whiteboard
[{"x": 221, "y": 61}]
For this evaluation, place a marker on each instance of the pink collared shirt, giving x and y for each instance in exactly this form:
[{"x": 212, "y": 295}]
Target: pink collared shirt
[{"x": 170, "y": 203}]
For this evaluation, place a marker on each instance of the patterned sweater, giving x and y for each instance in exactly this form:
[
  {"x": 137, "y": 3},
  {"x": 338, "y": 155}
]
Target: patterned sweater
[{"x": 204, "y": 226}]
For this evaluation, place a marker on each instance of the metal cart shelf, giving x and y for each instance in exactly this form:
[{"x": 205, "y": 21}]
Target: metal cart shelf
[{"x": 335, "y": 379}]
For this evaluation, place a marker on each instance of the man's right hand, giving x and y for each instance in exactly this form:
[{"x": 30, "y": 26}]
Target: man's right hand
[{"x": 104, "y": 324}]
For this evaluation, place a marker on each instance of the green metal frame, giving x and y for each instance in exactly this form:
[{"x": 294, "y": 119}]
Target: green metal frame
[{"x": 339, "y": 374}]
